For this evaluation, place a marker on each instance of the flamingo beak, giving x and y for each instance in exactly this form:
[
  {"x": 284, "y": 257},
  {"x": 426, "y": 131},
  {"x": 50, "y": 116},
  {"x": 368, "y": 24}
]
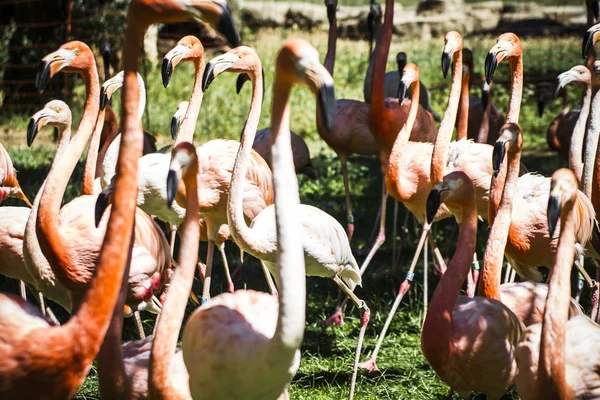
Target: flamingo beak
[
  {"x": 485, "y": 95},
  {"x": 50, "y": 65},
  {"x": 174, "y": 126},
  {"x": 401, "y": 91},
  {"x": 434, "y": 201},
  {"x": 32, "y": 130},
  {"x": 331, "y": 9},
  {"x": 498, "y": 156},
  {"x": 172, "y": 184},
  {"x": 170, "y": 61},
  {"x": 591, "y": 36},
  {"x": 107, "y": 90},
  {"x": 326, "y": 102},
  {"x": 102, "y": 203},
  {"x": 217, "y": 66},
  {"x": 554, "y": 209},
  {"x": 239, "y": 83},
  {"x": 446, "y": 61}
]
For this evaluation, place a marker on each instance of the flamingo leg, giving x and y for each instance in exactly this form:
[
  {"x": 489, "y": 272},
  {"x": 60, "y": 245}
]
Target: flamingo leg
[
  {"x": 394, "y": 237},
  {"x": 52, "y": 316},
  {"x": 173, "y": 236},
  {"x": 42, "y": 303},
  {"x": 365, "y": 314},
  {"x": 208, "y": 273},
  {"x": 349, "y": 216},
  {"x": 507, "y": 273},
  {"x": 371, "y": 364},
  {"x": 230, "y": 287},
  {"x": 425, "y": 281},
  {"x": 269, "y": 278},
  {"x": 138, "y": 324},
  {"x": 23, "y": 290}
]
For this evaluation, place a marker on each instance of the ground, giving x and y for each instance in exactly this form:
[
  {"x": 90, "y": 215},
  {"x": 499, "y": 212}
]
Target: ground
[{"x": 327, "y": 352}]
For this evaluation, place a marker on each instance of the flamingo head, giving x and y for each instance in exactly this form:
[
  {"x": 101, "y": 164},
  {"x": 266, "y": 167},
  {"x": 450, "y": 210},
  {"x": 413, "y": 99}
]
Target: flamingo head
[
  {"x": 74, "y": 56},
  {"x": 509, "y": 141},
  {"x": 507, "y": 47},
  {"x": 579, "y": 74},
  {"x": 589, "y": 39},
  {"x": 563, "y": 193},
  {"x": 455, "y": 188},
  {"x": 178, "y": 118},
  {"x": 410, "y": 75},
  {"x": 55, "y": 113},
  {"x": 452, "y": 48},
  {"x": 331, "y": 9},
  {"x": 189, "y": 48},
  {"x": 184, "y": 165}
]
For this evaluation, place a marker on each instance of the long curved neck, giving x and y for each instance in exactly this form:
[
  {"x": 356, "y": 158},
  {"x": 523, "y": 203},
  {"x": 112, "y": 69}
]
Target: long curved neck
[
  {"x": 90, "y": 163},
  {"x": 186, "y": 132},
  {"x": 463, "y": 109},
  {"x": 392, "y": 173},
  {"x": 369, "y": 75},
  {"x": 173, "y": 309},
  {"x": 34, "y": 259},
  {"x": 331, "y": 46},
  {"x": 444, "y": 136},
  {"x": 90, "y": 322},
  {"x": 380, "y": 60},
  {"x": 551, "y": 381},
  {"x": 112, "y": 130},
  {"x": 591, "y": 164},
  {"x": 484, "y": 129},
  {"x": 54, "y": 246},
  {"x": 247, "y": 239},
  {"x": 516, "y": 90},
  {"x": 500, "y": 223},
  {"x": 290, "y": 259},
  {"x": 437, "y": 327},
  {"x": 576, "y": 148}
]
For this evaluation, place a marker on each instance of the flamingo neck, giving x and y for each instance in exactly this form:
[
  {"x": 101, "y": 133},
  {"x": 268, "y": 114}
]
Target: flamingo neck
[
  {"x": 393, "y": 173},
  {"x": 551, "y": 381},
  {"x": 245, "y": 237},
  {"x": 484, "y": 129},
  {"x": 53, "y": 244},
  {"x": 437, "y": 328},
  {"x": 576, "y": 148},
  {"x": 565, "y": 102},
  {"x": 444, "y": 136},
  {"x": 90, "y": 322},
  {"x": 591, "y": 164},
  {"x": 379, "y": 64},
  {"x": 170, "y": 320},
  {"x": 186, "y": 132},
  {"x": 92, "y": 157},
  {"x": 463, "y": 108},
  {"x": 516, "y": 90},
  {"x": 112, "y": 130},
  {"x": 369, "y": 75},
  {"x": 290, "y": 257},
  {"x": 331, "y": 46},
  {"x": 34, "y": 259},
  {"x": 506, "y": 184}
]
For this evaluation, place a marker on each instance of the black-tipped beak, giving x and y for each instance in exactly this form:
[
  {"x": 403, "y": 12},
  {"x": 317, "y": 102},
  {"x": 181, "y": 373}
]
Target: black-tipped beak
[
  {"x": 491, "y": 62},
  {"x": 239, "y": 84},
  {"x": 326, "y": 102},
  {"x": 32, "y": 130},
  {"x": 228, "y": 27},
  {"x": 433, "y": 204},
  {"x": 174, "y": 127},
  {"x": 43, "y": 76},
  {"x": 541, "y": 107},
  {"x": 172, "y": 183},
  {"x": 330, "y": 12},
  {"x": 446, "y": 60},
  {"x": 208, "y": 76},
  {"x": 587, "y": 44},
  {"x": 401, "y": 91},
  {"x": 485, "y": 97},
  {"x": 554, "y": 209},
  {"x": 498, "y": 156},
  {"x": 596, "y": 9},
  {"x": 166, "y": 71},
  {"x": 101, "y": 205},
  {"x": 103, "y": 98}
]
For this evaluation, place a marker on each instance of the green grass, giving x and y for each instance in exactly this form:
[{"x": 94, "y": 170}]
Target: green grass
[{"x": 327, "y": 352}]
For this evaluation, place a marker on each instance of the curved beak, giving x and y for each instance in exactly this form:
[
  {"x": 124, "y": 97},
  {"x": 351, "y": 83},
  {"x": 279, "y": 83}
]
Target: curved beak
[
  {"x": 170, "y": 61},
  {"x": 498, "y": 156},
  {"x": 239, "y": 83},
  {"x": 217, "y": 66},
  {"x": 591, "y": 36},
  {"x": 107, "y": 90},
  {"x": 227, "y": 26},
  {"x": 554, "y": 209},
  {"x": 494, "y": 57},
  {"x": 321, "y": 83},
  {"x": 485, "y": 95},
  {"x": 447, "y": 54},
  {"x": 102, "y": 203},
  {"x": 331, "y": 9},
  {"x": 37, "y": 122},
  {"x": 563, "y": 80},
  {"x": 217, "y": 13},
  {"x": 172, "y": 183},
  {"x": 326, "y": 102},
  {"x": 50, "y": 65},
  {"x": 434, "y": 201},
  {"x": 178, "y": 119},
  {"x": 401, "y": 91}
]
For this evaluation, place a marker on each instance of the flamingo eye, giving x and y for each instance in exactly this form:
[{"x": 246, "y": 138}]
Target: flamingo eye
[{"x": 77, "y": 51}]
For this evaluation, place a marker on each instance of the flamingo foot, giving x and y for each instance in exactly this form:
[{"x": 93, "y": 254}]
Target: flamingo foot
[
  {"x": 369, "y": 365},
  {"x": 336, "y": 318}
]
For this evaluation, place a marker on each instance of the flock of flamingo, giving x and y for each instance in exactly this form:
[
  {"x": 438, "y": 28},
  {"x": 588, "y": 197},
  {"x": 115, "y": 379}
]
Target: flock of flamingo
[{"x": 102, "y": 256}]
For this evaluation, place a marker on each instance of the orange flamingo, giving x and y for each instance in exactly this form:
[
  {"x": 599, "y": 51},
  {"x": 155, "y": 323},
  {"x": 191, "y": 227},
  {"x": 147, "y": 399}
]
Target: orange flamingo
[
  {"x": 558, "y": 358},
  {"x": 46, "y": 362},
  {"x": 469, "y": 342},
  {"x": 529, "y": 245},
  {"x": 68, "y": 236},
  {"x": 267, "y": 330}
]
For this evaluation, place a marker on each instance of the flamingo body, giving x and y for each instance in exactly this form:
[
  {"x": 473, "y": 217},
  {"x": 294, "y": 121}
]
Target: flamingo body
[{"x": 12, "y": 230}]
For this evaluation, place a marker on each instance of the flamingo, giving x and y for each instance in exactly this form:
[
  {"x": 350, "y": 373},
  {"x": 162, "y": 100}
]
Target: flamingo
[
  {"x": 469, "y": 342},
  {"x": 558, "y": 134},
  {"x": 216, "y": 159},
  {"x": 267, "y": 330},
  {"x": 46, "y": 362},
  {"x": 529, "y": 245},
  {"x": 557, "y": 358},
  {"x": 392, "y": 78},
  {"x": 476, "y": 119},
  {"x": 262, "y": 142},
  {"x": 68, "y": 236},
  {"x": 9, "y": 184}
]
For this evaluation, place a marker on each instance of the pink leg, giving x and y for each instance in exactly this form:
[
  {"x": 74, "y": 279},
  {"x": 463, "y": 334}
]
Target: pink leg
[{"x": 207, "y": 278}]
